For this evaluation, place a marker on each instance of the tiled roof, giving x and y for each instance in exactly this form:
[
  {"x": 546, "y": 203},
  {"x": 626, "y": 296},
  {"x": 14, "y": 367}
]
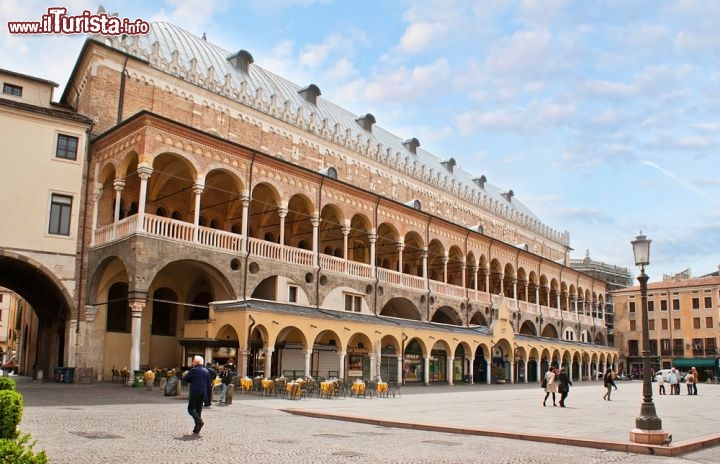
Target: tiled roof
[
  {"x": 46, "y": 111},
  {"x": 675, "y": 284}
]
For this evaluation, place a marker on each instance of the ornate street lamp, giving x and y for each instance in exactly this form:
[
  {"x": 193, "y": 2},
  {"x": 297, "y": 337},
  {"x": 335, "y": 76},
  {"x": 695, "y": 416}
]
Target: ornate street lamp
[{"x": 648, "y": 426}]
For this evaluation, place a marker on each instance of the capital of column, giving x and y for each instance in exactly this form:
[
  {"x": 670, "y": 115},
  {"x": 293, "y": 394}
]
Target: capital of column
[
  {"x": 315, "y": 220},
  {"x": 400, "y": 246},
  {"x": 424, "y": 253},
  {"x": 119, "y": 185},
  {"x": 137, "y": 308},
  {"x": 445, "y": 259},
  {"x": 97, "y": 194},
  {"x": 372, "y": 238},
  {"x": 144, "y": 172},
  {"x": 345, "y": 230},
  {"x": 198, "y": 188},
  {"x": 282, "y": 212}
]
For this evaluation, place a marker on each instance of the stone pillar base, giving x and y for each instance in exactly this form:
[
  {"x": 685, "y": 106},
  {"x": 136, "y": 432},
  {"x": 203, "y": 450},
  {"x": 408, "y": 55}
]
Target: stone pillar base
[{"x": 648, "y": 437}]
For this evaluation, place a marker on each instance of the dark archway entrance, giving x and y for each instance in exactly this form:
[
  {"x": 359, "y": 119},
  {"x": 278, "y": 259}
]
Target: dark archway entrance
[{"x": 45, "y": 294}]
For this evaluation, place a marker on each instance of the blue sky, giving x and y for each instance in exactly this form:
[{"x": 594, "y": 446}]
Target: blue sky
[{"x": 603, "y": 116}]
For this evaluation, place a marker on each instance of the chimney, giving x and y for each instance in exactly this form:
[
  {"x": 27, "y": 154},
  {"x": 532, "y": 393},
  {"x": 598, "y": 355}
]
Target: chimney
[
  {"x": 508, "y": 195},
  {"x": 449, "y": 164}
]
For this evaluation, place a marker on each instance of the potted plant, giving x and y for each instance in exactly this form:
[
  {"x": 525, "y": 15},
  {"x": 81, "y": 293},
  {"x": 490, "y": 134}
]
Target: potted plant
[{"x": 499, "y": 374}]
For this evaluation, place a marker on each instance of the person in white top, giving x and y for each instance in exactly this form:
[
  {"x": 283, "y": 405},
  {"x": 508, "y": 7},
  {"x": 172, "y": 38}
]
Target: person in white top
[
  {"x": 550, "y": 385},
  {"x": 661, "y": 384}
]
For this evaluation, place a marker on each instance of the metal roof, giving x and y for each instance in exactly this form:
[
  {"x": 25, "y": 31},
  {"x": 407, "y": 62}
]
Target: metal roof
[
  {"x": 329, "y": 314},
  {"x": 167, "y": 44}
]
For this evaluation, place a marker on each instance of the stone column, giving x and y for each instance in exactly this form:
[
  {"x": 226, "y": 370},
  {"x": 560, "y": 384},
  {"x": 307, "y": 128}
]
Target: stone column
[
  {"x": 512, "y": 371},
  {"x": 315, "y": 221},
  {"x": 501, "y": 276},
  {"x": 245, "y": 200},
  {"x": 136, "y": 310},
  {"x": 373, "y": 238},
  {"x": 488, "y": 363},
  {"x": 486, "y": 274},
  {"x": 346, "y": 232},
  {"x": 97, "y": 196},
  {"x": 424, "y": 255},
  {"x": 341, "y": 358},
  {"x": 118, "y": 185},
  {"x": 475, "y": 269},
  {"x": 514, "y": 289},
  {"x": 308, "y": 358},
  {"x": 268, "y": 361},
  {"x": 282, "y": 213},
  {"x": 198, "y": 190},
  {"x": 445, "y": 260},
  {"x": 449, "y": 369},
  {"x": 400, "y": 248},
  {"x": 373, "y": 367},
  {"x": 242, "y": 362},
  {"x": 144, "y": 172}
]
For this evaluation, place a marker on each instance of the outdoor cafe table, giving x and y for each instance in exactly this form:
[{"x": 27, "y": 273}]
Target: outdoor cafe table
[
  {"x": 246, "y": 383},
  {"x": 358, "y": 388},
  {"x": 382, "y": 388},
  {"x": 293, "y": 389},
  {"x": 267, "y": 385},
  {"x": 327, "y": 389}
]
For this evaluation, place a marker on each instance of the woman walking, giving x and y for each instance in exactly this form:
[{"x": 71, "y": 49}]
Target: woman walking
[
  {"x": 609, "y": 383},
  {"x": 564, "y": 386},
  {"x": 549, "y": 381}
]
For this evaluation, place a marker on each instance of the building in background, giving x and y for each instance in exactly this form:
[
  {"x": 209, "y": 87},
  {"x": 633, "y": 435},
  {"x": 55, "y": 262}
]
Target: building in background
[
  {"x": 683, "y": 318},
  {"x": 614, "y": 276},
  {"x": 44, "y": 154}
]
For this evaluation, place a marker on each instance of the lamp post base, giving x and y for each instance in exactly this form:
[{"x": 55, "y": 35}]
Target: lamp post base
[{"x": 649, "y": 437}]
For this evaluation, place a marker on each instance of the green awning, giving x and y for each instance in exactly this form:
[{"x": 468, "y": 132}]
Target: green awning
[{"x": 696, "y": 362}]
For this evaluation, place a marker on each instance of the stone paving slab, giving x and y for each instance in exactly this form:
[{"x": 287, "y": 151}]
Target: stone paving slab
[{"x": 106, "y": 422}]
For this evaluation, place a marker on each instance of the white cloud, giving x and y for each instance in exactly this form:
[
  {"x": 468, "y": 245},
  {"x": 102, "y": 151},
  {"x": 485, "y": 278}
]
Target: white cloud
[
  {"x": 418, "y": 35},
  {"x": 609, "y": 89},
  {"x": 314, "y": 55},
  {"x": 522, "y": 52}
]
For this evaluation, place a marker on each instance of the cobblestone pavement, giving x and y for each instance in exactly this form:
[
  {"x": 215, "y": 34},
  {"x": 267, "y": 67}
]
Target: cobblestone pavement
[{"x": 107, "y": 422}]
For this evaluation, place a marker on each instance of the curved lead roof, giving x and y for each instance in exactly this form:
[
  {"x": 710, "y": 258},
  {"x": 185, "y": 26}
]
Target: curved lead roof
[{"x": 166, "y": 43}]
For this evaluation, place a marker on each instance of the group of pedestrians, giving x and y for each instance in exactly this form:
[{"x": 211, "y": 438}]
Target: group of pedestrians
[
  {"x": 556, "y": 381},
  {"x": 673, "y": 380}
]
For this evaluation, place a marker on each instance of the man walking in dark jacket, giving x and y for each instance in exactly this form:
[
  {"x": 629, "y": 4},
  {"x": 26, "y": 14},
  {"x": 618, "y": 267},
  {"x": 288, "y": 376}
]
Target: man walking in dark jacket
[{"x": 199, "y": 379}]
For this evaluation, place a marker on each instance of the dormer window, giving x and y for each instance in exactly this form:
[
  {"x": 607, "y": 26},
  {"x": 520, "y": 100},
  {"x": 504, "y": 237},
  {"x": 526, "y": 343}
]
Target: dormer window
[
  {"x": 449, "y": 164},
  {"x": 11, "y": 89},
  {"x": 480, "y": 181},
  {"x": 412, "y": 145},
  {"x": 366, "y": 122},
  {"x": 330, "y": 172},
  {"x": 414, "y": 204},
  {"x": 241, "y": 60},
  {"x": 310, "y": 93}
]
